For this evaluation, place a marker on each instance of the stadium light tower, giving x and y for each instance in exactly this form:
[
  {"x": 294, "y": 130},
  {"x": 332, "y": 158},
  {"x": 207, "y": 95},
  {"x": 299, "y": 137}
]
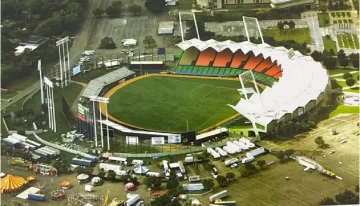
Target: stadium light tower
[
  {"x": 41, "y": 82},
  {"x": 64, "y": 67},
  {"x": 181, "y": 26},
  {"x": 50, "y": 102},
  {"x": 105, "y": 101}
]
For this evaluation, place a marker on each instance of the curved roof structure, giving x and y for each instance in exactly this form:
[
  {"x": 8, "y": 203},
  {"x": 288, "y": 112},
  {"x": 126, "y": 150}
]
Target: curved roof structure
[
  {"x": 303, "y": 80},
  {"x": 11, "y": 183}
]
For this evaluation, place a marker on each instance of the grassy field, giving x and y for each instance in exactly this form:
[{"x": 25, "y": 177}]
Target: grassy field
[
  {"x": 341, "y": 70},
  {"x": 165, "y": 103},
  {"x": 324, "y": 19},
  {"x": 299, "y": 35},
  {"x": 329, "y": 44}
]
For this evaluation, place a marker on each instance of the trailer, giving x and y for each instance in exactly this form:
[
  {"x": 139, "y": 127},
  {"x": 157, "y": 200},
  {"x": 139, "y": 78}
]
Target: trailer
[
  {"x": 233, "y": 146},
  {"x": 229, "y": 150},
  {"x": 117, "y": 159},
  {"x": 81, "y": 162},
  {"x": 221, "y": 152},
  {"x": 221, "y": 203},
  {"x": 255, "y": 152},
  {"x": 49, "y": 153},
  {"x": 247, "y": 142},
  {"x": 108, "y": 167},
  {"x": 212, "y": 152},
  {"x": 247, "y": 159},
  {"x": 35, "y": 156},
  {"x": 219, "y": 195},
  {"x": 88, "y": 52},
  {"x": 52, "y": 149},
  {"x": 242, "y": 145},
  {"x": 37, "y": 145},
  {"x": 231, "y": 161},
  {"x": 10, "y": 141},
  {"x": 41, "y": 153},
  {"x": 93, "y": 159},
  {"x": 132, "y": 199},
  {"x": 194, "y": 178},
  {"x": 37, "y": 197},
  {"x": 19, "y": 137},
  {"x": 24, "y": 145}
]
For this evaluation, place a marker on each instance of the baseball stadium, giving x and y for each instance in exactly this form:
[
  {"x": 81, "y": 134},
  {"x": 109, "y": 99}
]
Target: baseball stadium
[{"x": 216, "y": 85}]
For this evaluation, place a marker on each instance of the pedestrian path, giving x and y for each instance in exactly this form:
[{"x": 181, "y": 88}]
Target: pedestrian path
[{"x": 315, "y": 31}]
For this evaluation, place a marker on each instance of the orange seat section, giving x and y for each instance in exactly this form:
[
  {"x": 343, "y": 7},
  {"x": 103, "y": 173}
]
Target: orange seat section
[
  {"x": 267, "y": 63},
  {"x": 206, "y": 57},
  {"x": 273, "y": 70},
  {"x": 222, "y": 58},
  {"x": 278, "y": 75},
  {"x": 238, "y": 57},
  {"x": 253, "y": 62},
  {"x": 189, "y": 56}
]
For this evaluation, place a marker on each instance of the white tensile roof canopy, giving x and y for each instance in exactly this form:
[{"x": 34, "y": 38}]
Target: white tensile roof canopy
[{"x": 302, "y": 81}]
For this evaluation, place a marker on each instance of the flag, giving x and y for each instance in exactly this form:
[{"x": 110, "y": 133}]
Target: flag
[{"x": 106, "y": 199}]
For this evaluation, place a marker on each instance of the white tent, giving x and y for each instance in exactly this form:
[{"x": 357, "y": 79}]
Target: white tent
[
  {"x": 82, "y": 177},
  {"x": 88, "y": 188},
  {"x": 96, "y": 180}
]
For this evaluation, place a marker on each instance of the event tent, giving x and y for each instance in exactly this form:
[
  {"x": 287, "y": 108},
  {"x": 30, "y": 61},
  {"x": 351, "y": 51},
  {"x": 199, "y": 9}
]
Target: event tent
[
  {"x": 11, "y": 183},
  {"x": 141, "y": 170}
]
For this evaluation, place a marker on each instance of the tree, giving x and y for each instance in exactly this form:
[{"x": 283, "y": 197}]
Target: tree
[
  {"x": 347, "y": 75},
  {"x": 261, "y": 163},
  {"x": 149, "y": 181},
  {"x": 107, "y": 43},
  {"x": 101, "y": 173},
  {"x": 280, "y": 25},
  {"x": 208, "y": 184},
  {"x": 341, "y": 54},
  {"x": 355, "y": 63},
  {"x": 329, "y": 63},
  {"x": 221, "y": 180},
  {"x": 347, "y": 197},
  {"x": 157, "y": 183},
  {"x": 344, "y": 62},
  {"x": 291, "y": 24},
  {"x": 171, "y": 184},
  {"x": 289, "y": 152},
  {"x": 350, "y": 82},
  {"x": 230, "y": 176},
  {"x": 135, "y": 9},
  {"x": 155, "y": 6},
  {"x": 357, "y": 188},
  {"x": 111, "y": 175},
  {"x": 319, "y": 141},
  {"x": 327, "y": 201},
  {"x": 280, "y": 155},
  {"x": 116, "y": 4},
  {"x": 317, "y": 56},
  {"x": 112, "y": 11},
  {"x": 98, "y": 12},
  {"x": 149, "y": 41}
]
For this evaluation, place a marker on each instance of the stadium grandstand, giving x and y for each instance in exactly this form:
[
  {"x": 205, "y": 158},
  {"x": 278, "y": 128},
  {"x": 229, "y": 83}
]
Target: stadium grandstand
[{"x": 294, "y": 83}]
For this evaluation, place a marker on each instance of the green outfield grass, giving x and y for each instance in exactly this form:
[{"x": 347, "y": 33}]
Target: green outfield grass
[
  {"x": 165, "y": 103},
  {"x": 299, "y": 35}
]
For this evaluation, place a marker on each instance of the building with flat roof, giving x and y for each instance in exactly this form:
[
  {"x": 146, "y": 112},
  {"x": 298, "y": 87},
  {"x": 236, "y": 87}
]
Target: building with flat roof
[
  {"x": 284, "y": 4},
  {"x": 166, "y": 27}
]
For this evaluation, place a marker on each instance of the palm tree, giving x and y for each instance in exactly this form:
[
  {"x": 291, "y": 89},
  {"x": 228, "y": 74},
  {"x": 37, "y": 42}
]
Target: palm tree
[
  {"x": 291, "y": 24},
  {"x": 280, "y": 25}
]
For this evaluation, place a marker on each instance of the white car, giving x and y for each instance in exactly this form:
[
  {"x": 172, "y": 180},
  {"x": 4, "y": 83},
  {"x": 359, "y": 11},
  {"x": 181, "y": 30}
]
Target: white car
[
  {"x": 343, "y": 141},
  {"x": 332, "y": 151}
]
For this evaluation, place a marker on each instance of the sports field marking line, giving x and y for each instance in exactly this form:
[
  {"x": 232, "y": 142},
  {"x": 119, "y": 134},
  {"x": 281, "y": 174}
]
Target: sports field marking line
[{"x": 203, "y": 84}]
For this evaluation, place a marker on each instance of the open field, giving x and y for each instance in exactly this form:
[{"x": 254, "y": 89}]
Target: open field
[
  {"x": 299, "y": 35},
  {"x": 166, "y": 103}
]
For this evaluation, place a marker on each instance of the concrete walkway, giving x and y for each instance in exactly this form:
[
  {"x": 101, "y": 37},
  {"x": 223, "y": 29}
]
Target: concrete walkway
[{"x": 315, "y": 31}]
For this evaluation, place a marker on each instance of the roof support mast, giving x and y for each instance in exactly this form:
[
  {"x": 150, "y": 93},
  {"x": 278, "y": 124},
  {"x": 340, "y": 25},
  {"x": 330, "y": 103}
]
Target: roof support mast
[{"x": 181, "y": 26}]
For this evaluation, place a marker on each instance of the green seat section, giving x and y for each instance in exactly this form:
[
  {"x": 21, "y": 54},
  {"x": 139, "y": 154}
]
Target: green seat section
[
  {"x": 216, "y": 70},
  {"x": 200, "y": 70},
  {"x": 221, "y": 71},
  {"x": 194, "y": 71},
  {"x": 205, "y": 71},
  {"x": 211, "y": 70}
]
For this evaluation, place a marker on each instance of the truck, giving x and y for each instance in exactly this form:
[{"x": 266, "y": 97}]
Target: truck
[
  {"x": 88, "y": 52},
  {"x": 37, "y": 197},
  {"x": 91, "y": 158},
  {"x": 247, "y": 142},
  {"x": 81, "y": 162},
  {"x": 231, "y": 161},
  {"x": 129, "y": 42},
  {"x": 194, "y": 178},
  {"x": 132, "y": 199},
  {"x": 221, "y": 152},
  {"x": 19, "y": 137},
  {"x": 108, "y": 167},
  {"x": 255, "y": 152},
  {"x": 219, "y": 195}
]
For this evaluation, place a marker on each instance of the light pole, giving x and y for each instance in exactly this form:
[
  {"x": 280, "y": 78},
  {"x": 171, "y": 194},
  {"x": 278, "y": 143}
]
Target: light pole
[
  {"x": 95, "y": 134},
  {"x": 41, "y": 82},
  {"x": 64, "y": 68},
  {"x": 106, "y": 101},
  {"x": 50, "y": 102}
]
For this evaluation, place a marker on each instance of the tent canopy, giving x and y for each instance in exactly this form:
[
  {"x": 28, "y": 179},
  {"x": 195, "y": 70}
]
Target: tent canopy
[
  {"x": 82, "y": 177},
  {"x": 96, "y": 179},
  {"x": 141, "y": 170},
  {"x": 11, "y": 183},
  {"x": 65, "y": 184}
]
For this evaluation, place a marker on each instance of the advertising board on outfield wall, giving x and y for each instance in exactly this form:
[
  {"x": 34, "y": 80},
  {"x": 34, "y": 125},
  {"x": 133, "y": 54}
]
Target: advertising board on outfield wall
[
  {"x": 157, "y": 140},
  {"x": 174, "y": 139},
  {"x": 132, "y": 140}
]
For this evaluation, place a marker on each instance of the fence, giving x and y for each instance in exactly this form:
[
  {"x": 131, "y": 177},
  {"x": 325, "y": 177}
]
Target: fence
[{"x": 60, "y": 147}]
